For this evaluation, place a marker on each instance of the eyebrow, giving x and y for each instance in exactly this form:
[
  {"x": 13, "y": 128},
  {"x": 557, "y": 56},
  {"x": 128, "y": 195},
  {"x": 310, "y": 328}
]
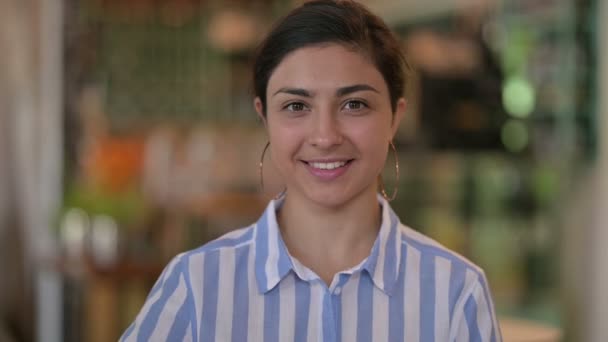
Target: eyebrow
[
  {"x": 340, "y": 92},
  {"x": 354, "y": 88},
  {"x": 294, "y": 91}
]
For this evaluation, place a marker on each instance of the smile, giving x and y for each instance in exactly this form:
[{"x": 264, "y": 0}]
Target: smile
[
  {"x": 327, "y": 171},
  {"x": 327, "y": 166}
]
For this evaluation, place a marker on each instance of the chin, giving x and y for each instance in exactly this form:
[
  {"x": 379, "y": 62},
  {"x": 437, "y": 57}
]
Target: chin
[
  {"x": 332, "y": 202},
  {"x": 330, "y": 198}
]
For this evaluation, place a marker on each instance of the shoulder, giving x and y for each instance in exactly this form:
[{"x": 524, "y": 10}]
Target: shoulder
[
  {"x": 228, "y": 242},
  {"x": 231, "y": 240},
  {"x": 445, "y": 262},
  {"x": 173, "y": 303},
  {"x": 463, "y": 283},
  {"x": 193, "y": 263}
]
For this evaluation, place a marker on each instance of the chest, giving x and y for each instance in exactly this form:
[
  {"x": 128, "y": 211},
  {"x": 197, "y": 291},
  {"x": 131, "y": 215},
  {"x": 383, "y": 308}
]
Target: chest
[{"x": 353, "y": 309}]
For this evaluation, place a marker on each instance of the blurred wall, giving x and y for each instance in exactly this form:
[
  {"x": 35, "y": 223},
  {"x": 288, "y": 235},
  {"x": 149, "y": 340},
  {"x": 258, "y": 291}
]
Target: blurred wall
[{"x": 597, "y": 297}]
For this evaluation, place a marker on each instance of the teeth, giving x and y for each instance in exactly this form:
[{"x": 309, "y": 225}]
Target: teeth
[{"x": 327, "y": 166}]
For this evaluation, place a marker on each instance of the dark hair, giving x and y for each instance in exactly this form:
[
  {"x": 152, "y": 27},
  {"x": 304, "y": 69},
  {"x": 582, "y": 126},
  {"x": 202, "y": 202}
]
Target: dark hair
[{"x": 332, "y": 21}]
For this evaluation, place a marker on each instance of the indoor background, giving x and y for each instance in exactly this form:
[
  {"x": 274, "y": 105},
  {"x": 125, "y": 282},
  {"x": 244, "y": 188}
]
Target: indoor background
[{"x": 128, "y": 135}]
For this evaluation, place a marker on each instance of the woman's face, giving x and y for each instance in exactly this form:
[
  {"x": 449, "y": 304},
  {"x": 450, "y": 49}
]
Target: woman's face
[{"x": 329, "y": 123}]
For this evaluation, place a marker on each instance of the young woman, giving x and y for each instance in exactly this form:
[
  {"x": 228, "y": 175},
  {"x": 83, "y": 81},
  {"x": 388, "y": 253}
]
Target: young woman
[{"x": 328, "y": 260}]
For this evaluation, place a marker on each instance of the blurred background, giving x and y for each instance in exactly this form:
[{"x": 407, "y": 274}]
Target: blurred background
[{"x": 127, "y": 135}]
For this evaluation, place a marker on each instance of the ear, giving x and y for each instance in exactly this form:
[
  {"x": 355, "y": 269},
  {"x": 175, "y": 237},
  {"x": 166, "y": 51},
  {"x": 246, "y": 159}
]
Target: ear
[
  {"x": 398, "y": 115},
  {"x": 259, "y": 108}
]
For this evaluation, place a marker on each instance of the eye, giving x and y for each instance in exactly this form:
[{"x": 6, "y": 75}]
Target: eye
[
  {"x": 355, "y": 105},
  {"x": 295, "y": 107}
]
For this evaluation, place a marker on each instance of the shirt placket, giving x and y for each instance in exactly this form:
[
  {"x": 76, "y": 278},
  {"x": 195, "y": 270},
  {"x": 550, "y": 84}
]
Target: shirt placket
[{"x": 331, "y": 315}]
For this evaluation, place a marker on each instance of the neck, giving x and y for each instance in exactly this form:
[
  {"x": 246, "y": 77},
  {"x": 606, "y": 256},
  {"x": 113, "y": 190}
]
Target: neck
[{"x": 330, "y": 240}]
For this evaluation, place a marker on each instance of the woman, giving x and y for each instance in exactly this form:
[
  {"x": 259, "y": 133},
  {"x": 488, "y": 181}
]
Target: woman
[{"x": 329, "y": 259}]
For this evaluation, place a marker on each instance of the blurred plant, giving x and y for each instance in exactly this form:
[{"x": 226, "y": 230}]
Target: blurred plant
[
  {"x": 126, "y": 207},
  {"x": 110, "y": 180},
  {"x": 114, "y": 163}
]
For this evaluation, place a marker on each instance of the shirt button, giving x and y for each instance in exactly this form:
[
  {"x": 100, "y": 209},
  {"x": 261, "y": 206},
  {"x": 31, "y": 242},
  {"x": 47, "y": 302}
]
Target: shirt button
[{"x": 337, "y": 291}]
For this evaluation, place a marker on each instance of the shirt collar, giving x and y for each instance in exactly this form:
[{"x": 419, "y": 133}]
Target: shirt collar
[
  {"x": 383, "y": 262},
  {"x": 273, "y": 262}
]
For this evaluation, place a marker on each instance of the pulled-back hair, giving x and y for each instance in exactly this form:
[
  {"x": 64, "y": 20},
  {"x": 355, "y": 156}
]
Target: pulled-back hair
[{"x": 332, "y": 21}]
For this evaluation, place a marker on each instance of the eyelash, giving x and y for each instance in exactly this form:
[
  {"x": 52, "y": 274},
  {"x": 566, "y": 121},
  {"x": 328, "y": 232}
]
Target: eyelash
[
  {"x": 362, "y": 104},
  {"x": 289, "y": 106}
]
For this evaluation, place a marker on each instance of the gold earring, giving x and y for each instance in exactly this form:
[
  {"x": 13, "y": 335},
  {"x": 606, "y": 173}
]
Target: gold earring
[
  {"x": 382, "y": 190},
  {"x": 261, "y": 172},
  {"x": 261, "y": 168}
]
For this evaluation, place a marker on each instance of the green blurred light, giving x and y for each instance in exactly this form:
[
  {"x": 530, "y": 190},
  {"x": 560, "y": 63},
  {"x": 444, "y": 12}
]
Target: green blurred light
[
  {"x": 518, "y": 97},
  {"x": 515, "y": 136}
]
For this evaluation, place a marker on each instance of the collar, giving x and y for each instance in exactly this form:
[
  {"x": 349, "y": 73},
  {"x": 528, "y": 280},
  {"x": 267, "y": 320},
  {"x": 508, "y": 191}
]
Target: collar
[{"x": 273, "y": 262}]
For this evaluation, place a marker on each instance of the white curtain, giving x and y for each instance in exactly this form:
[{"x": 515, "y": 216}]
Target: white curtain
[{"x": 30, "y": 151}]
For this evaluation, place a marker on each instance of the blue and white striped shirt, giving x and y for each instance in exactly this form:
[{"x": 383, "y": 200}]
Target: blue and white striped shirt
[{"x": 245, "y": 286}]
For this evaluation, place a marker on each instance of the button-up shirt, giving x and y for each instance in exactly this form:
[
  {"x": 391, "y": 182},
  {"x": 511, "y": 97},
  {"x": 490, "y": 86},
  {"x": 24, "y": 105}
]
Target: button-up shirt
[{"x": 245, "y": 286}]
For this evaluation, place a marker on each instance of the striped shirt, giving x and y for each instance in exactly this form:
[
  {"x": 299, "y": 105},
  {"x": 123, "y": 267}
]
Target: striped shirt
[{"x": 245, "y": 286}]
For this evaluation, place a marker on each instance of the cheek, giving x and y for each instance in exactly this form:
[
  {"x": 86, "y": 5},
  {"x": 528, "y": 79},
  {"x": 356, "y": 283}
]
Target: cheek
[
  {"x": 371, "y": 135},
  {"x": 372, "y": 141},
  {"x": 378, "y": 156},
  {"x": 284, "y": 142}
]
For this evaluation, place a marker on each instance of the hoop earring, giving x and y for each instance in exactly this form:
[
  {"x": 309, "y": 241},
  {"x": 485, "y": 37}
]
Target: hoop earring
[
  {"x": 261, "y": 172},
  {"x": 395, "y": 188}
]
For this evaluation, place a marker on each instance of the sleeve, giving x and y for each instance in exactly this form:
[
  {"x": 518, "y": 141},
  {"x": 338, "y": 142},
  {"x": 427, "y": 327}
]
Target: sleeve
[
  {"x": 165, "y": 315},
  {"x": 476, "y": 320}
]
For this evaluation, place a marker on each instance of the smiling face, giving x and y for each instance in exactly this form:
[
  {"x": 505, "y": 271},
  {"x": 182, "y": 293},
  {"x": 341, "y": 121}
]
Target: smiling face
[{"x": 329, "y": 123}]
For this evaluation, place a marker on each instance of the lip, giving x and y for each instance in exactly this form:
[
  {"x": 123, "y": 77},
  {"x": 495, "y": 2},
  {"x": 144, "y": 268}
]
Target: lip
[
  {"x": 324, "y": 174},
  {"x": 327, "y": 160}
]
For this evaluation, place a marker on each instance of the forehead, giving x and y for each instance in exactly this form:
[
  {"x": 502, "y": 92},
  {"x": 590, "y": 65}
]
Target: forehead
[{"x": 327, "y": 66}]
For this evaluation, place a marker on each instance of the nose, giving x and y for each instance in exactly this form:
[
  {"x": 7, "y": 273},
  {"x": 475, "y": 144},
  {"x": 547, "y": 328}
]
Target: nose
[{"x": 325, "y": 130}]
